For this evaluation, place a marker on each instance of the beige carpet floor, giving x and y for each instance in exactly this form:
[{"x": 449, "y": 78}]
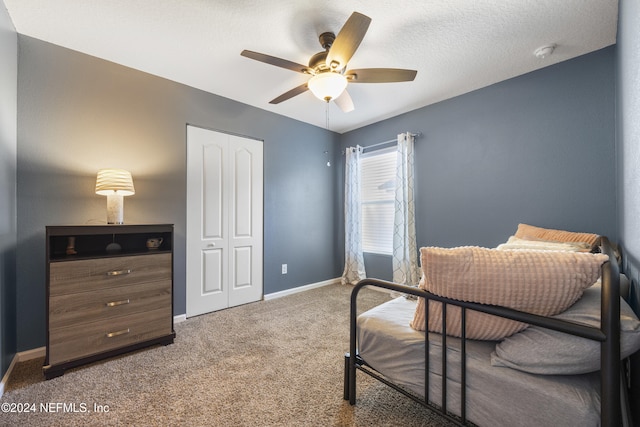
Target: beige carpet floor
[{"x": 271, "y": 363}]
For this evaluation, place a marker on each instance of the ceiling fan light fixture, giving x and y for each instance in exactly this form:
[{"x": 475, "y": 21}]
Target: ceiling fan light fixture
[{"x": 327, "y": 86}]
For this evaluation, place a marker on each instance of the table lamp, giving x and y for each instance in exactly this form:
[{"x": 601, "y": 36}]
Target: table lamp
[{"x": 115, "y": 184}]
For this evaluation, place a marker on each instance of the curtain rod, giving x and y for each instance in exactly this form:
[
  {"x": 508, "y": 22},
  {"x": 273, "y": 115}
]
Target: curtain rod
[{"x": 417, "y": 134}]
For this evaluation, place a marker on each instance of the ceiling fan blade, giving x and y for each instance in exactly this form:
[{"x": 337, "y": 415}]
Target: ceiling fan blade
[
  {"x": 278, "y": 62},
  {"x": 290, "y": 94},
  {"x": 347, "y": 41},
  {"x": 344, "y": 101},
  {"x": 380, "y": 75}
]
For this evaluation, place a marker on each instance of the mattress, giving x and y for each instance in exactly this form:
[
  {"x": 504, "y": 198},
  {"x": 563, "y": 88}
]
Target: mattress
[{"x": 496, "y": 396}]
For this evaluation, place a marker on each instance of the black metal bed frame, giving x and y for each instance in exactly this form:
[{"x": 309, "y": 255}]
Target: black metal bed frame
[{"x": 608, "y": 334}]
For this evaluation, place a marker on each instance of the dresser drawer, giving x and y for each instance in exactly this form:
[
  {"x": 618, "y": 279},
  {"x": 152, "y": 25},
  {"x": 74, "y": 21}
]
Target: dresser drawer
[
  {"x": 82, "y": 307},
  {"x": 87, "y": 339},
  {"x": 92, "y": 274}
]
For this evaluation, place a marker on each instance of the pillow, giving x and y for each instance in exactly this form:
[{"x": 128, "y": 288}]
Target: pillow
[
  {"x": 538, "y": 282},
  {"x": 543, "y": 245},
  {"x": 530, "y": 232},
  {"x": 480, "y": 326},
  {"x": 544, "y": 351}
]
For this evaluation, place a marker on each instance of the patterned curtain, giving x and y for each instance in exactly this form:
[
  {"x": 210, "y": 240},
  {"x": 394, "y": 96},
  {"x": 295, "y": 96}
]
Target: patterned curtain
[
  {"x": 354, "y": 260},
  {"x": 405, "y": 251}
]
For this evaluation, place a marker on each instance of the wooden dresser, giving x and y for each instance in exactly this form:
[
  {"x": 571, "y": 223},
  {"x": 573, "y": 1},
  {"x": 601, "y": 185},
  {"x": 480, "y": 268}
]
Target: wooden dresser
[{"x": 107, "y": 292}]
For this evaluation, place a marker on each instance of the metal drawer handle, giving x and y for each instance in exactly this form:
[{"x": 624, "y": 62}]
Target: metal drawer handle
[
  {"x": 118, "y": 272},
  {"x": 116, "y": 303},
  {"x": 115, "y": 334}
]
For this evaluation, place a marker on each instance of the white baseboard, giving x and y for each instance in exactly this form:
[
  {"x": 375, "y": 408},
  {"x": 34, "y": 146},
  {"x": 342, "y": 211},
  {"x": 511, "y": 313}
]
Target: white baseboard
[
  {"x": 21, "y": 357},
  {"x": 31, "y": 354},
  {"x": 5, "y": 379},
  {"x": 179, "y": 318},
  {"x": 301, "y": 288}
]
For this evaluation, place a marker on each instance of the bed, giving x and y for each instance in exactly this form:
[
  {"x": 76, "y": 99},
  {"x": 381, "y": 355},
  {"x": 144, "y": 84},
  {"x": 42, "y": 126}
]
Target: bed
[{"x": 485, "y": 388}]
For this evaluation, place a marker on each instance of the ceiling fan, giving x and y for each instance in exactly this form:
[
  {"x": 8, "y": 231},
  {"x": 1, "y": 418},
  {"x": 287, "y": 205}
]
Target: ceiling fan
[{"x": 328, "y": 68}]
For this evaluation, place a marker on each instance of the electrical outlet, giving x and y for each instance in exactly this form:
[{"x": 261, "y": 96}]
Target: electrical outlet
[{"x": 284, "y": 268}]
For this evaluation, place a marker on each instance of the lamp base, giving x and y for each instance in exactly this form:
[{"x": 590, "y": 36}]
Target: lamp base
[{"x": 115, "y": 208}]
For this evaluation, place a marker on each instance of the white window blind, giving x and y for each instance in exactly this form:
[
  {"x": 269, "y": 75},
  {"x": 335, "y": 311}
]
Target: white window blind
[{"x": 378, "y": 174}]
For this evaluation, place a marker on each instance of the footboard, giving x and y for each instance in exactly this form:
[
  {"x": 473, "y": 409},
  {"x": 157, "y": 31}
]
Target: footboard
[{"x": 608, "y": 335}]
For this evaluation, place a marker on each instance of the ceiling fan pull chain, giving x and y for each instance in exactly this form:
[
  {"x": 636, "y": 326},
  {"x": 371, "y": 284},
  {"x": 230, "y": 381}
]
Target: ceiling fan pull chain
[{"x": 327, "y": 115}]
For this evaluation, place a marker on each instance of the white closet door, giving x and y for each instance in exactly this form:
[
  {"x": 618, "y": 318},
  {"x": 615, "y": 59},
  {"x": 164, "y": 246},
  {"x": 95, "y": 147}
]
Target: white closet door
[
  {"x": 224, "y": 220},
  {"x": 245, "y": 220}
]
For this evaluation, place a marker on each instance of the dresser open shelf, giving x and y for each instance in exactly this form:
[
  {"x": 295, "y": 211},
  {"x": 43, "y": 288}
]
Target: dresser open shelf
[{"x": 107, "y": 293}]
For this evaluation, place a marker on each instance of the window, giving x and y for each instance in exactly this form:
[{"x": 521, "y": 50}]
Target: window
[{"x": 378, "y": 181}]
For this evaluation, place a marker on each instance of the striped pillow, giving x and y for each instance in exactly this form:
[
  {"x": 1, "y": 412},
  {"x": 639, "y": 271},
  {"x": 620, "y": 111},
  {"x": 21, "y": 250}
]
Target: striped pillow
[{"x": 530, "y": 232}]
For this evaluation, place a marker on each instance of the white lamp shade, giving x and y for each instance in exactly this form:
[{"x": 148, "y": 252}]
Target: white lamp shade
[
  {"x": 327, "y": 86},
  {"x": 114, "y": 180}
]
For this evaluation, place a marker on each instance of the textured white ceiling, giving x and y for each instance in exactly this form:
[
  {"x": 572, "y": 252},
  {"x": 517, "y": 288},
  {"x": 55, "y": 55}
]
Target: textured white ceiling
[{"x": 456, "y": 45}]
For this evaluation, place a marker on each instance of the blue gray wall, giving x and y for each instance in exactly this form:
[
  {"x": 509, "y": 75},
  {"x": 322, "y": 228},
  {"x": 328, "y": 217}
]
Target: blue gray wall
[
  {"x": 628, "y": 151},
  {"x": 77, "y": 114},
  {"x": 538, "y": 149},
  {"x": 628, "y": 120},
  {"x": 8, "y": 149}
]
